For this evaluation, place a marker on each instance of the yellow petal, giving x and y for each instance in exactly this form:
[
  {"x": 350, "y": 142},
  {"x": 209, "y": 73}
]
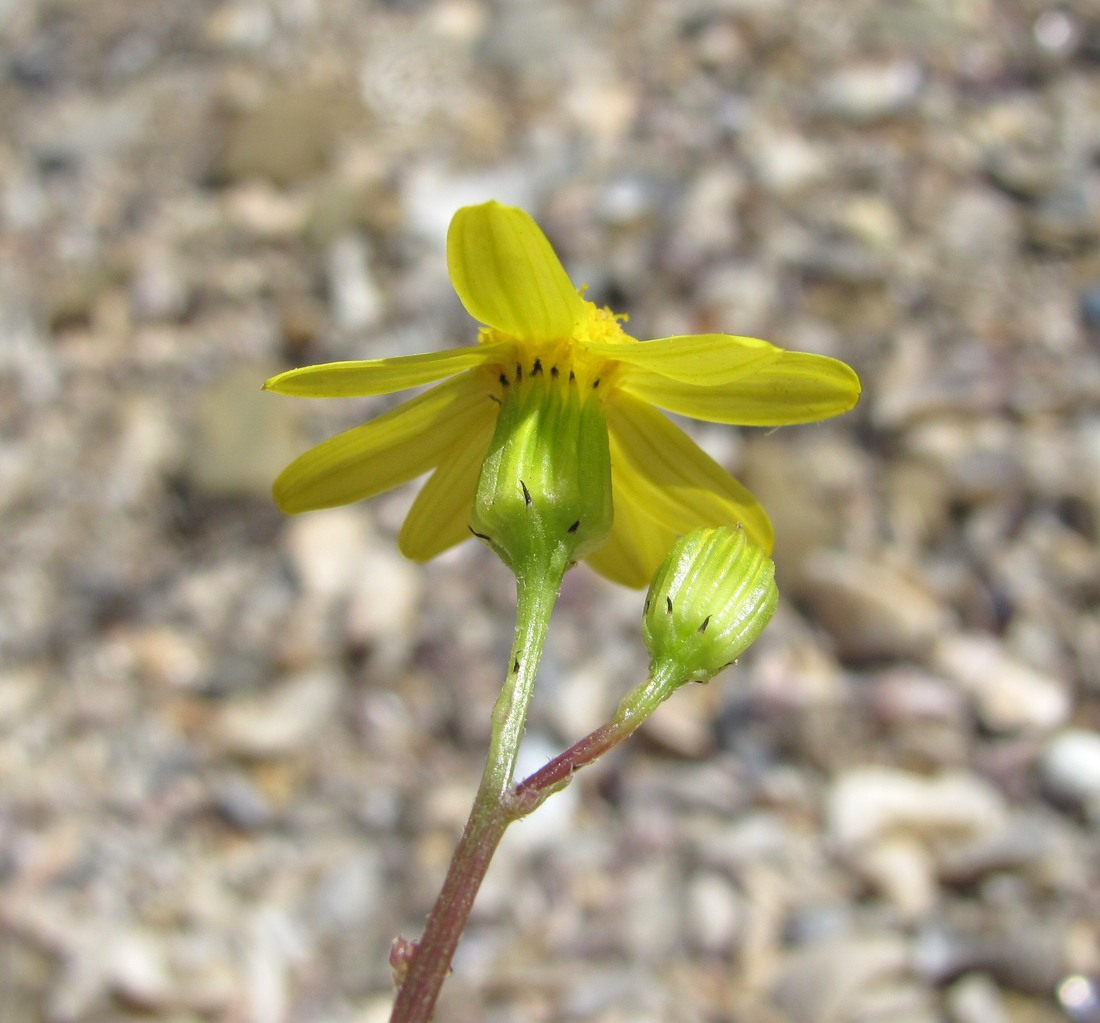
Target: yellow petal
[
  {"x": 507, "y": 275},
  {"x": 635, "y": 547},
  {"x": 380, "y": 454},
  {"x": 669, "y": 475},
  {"x": 692, "y": 358},
  {"x": 378, "y": 376},
  {"x": 796, "y": 388},
  {"x": 440, "y": 515}
]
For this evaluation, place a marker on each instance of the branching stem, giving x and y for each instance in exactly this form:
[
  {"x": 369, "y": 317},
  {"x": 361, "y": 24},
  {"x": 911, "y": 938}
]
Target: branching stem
[{"x": 499, "y": 801}]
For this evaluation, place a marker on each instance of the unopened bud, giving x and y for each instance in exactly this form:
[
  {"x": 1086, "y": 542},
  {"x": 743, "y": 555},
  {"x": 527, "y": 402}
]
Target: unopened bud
[{"x": 707, "y": 603}]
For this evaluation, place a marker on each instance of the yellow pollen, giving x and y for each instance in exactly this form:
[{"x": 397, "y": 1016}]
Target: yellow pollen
[{"x": 601, "y": 326}]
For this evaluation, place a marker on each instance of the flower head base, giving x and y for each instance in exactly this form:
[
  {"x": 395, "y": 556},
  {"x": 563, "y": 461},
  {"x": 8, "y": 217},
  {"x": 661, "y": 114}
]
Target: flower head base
[
  {"x": 663, "y": 485},
  {"x": 544, "y": 493},
  {"x": 707, "y": 603}
]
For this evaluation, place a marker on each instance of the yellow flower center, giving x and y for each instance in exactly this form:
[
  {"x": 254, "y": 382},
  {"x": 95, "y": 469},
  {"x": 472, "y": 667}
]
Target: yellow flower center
[
  {"x": 567, "y": 360},
  {"x": 601, "y": 326}
]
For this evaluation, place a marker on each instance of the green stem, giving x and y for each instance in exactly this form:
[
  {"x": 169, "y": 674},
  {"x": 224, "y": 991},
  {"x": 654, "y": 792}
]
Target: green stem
[{"x": 427, "y": 963}]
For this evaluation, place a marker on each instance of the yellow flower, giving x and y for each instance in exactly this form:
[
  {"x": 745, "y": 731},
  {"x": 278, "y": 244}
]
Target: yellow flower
[{"x": 536, "y": 322}]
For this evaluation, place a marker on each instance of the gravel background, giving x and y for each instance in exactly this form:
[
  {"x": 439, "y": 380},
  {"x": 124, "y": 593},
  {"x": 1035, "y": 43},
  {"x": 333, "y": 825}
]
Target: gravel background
[{"x": 236, "y": 750}]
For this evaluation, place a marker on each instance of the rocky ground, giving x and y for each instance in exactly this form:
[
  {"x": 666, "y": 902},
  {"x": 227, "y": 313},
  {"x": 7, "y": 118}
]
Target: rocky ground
[{"x": 236, "y": 750}]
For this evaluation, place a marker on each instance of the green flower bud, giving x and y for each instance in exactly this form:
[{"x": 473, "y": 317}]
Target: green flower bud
[
  {"x": 709, "y": 600},
  {"x": 544, "y": 494}
]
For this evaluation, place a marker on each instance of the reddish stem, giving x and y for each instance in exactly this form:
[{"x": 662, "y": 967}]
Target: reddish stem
[
  {"x": 534, "y": 790},
  {"x": 431, "y": 961}
]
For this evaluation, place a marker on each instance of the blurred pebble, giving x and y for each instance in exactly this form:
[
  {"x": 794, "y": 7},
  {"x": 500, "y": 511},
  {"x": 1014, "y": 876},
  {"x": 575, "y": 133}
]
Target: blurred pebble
[
  {"x": 980, "y": 220},
  {"x": 349, "y": 892},
  {"x": 158, "y": 289},
  {"x": 1009, "y": 696},
  {"x": 241, "y": 803},
  {"x": 1056, "y": 31},
  {"x": 383, "y": 605},
  {"x": 1079, "y": 996},
  {"x": 871, "y": 609},
  {"x": 19, "y": 688},
  {"x": 243, "y": 437},
  {"x": 1026, "y": 171},
  {"x": 738, "y": 291},
  {"x": 1031, "y": 845},
  {"x": 1028, "y": 958},
  {"x": 627, "y": 200},
  {"x": 255, "y": 140},
  {"x": 138, "y": 971},
  {"x": 892, "y": 825},
  {"x": 431, "y": 195},
  {"x": 273, "y": 946},
  {"x": 1090, "y": 306},
  {"x": 821, "y": 983},
  {"x": 239, "y": 25},
  {"x": 785, "y": 162},
  {"x": 357, "y": 301},
  {"x": 281, "y": 720},
  {"x": 869, "y": 219},
  {"x": 352, "y": 579},
  {"x": 650, "y": 914},
  {"x": 975, "y": 998},
  {"x": 1070, "y": 767},
  {"x": 904, "y": 871},
  {"x": 709, "y": 220},
  {"x": 865, "y": 803},
  {"x": 261, "y": 210},
  {"x": 905, "y": 694},
  {"x": 325, "y": 550},
  {"x": 167, "y": 657},
  {"x": 1067, "y": 216},
  {"x": 714, "y": 912},
  {"x": 870, "y": 92}
]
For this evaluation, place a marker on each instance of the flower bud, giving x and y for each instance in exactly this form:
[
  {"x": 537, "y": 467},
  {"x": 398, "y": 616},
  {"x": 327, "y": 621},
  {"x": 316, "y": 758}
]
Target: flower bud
[
  {"x": 544, "y": 494},
  {"x": 710, "y": 599}
]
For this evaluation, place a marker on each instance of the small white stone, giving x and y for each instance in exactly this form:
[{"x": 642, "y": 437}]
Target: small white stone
[
  {"x": 975, "y": 998},
  {"x": 822, "y": 982},
  {"x": 357, "y": 301},
  {"x": 894, "y": 826},
  {"x": 1071, "y": 767},
  {"x": 872, "y": 608},
  {"x": 785, "y": 162},
  {"x": 1009, "y": 696},
  {"x": 866, "y": 804},
  {"x": 903, "y": 869},
  {"x": 138, "y": 970},
  {"x": 872, "y": 91},
  {"x": 715, "y": 913},
  {"x": 326, "y": 549},
  {"x": 18, "y": 691},
  {"x": 281, "y": 720},
  {"x": 383, "y": 604}
]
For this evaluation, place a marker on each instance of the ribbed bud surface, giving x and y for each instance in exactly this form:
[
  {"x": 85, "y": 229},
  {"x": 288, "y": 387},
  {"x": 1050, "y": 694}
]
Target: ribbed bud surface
[
  {"x": 707, "y": 603},
  {"x": 545, "y": 486}
]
